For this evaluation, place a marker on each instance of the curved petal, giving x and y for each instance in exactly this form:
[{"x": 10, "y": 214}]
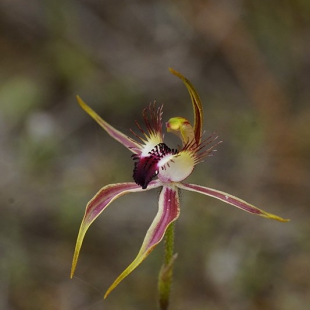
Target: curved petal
[
  {"x": 98, "y": 203},
  {"x": 197, "y": 106},
  {"x": 232, "y": 200},
  {"x": 132, "y": 145},
  {"x": 168, "y": 212}
]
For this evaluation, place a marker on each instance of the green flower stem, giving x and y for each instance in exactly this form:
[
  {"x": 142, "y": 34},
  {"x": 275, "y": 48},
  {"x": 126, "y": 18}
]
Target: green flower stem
[{"x": 165, "y": 274}]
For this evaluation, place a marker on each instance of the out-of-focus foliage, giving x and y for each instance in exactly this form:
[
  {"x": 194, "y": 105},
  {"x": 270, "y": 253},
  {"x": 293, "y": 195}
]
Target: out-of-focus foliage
[{"x": 249, "y": 61}]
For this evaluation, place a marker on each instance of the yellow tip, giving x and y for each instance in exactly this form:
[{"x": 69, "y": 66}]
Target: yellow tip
[
  {"x": 81, "y": 102},
  {"x": 71, "y": 273},
  {"x": 275, "y": 217},
  {"x": 176, "y": 73}
]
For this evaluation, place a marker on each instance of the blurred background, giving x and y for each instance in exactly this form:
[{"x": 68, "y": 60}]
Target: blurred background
[{"x": 249, "y": 61}]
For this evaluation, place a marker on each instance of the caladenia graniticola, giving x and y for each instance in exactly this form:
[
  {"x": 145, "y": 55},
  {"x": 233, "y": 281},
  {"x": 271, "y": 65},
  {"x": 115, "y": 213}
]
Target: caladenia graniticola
[{"x": 157, "y": 165}]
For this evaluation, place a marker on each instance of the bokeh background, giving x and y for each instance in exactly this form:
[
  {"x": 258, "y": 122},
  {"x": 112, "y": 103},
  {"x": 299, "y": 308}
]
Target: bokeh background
[{"x": 249, "y": 61}]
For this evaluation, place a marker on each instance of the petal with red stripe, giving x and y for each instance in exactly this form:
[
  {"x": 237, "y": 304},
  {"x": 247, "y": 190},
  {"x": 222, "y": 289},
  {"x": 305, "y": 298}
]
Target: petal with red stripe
[
  {"x": 132, "y": 145},
  {"x": 168, "y": 212},
  {"x": 99, "y": 203},
  {"x": 232, "y": 200}
]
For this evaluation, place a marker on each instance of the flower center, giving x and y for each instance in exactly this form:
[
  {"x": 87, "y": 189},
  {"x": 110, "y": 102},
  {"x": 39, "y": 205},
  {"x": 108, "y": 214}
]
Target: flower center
[{"x": 146, "y": 167}]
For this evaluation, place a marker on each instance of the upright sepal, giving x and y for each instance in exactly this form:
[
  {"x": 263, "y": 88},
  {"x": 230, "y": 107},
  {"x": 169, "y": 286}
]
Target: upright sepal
[
  {"x": 168, "y": 212},
  {"x": 197, "y": 106},
  {"x": 99, "y": 203}
]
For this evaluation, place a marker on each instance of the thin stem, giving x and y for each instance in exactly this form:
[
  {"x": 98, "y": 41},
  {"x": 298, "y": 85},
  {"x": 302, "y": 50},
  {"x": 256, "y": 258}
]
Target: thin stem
[{"x": 165, "y": 274}]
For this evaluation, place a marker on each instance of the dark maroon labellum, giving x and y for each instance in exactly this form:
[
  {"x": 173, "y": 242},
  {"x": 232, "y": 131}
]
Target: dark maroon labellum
[{"x": 146, "y": 168}]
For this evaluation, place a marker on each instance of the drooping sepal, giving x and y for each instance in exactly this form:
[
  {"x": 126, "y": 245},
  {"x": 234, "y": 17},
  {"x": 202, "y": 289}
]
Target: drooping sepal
[
  {"x": 232, "y": 200},
  {"x": 168, "y": 212},
  {"x": 99, "y": 203}
]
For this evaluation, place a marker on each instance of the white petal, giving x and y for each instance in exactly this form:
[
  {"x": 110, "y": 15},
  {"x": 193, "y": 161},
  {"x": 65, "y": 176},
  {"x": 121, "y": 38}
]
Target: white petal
[{"x": 176, "y": 168}]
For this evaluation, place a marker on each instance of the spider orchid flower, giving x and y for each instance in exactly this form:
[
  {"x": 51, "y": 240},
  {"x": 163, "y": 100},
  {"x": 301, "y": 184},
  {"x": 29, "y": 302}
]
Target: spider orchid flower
[{"x": 156, "y": 165}]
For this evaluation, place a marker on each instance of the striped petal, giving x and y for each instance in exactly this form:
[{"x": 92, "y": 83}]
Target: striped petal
[
  {"x": 197, "y": 106},
  {"x": 168, "y": 212},
  {"x": 132, "y": 145},
  {"x": 232, "y": 200},
  {"x": 99, "y": 203}
]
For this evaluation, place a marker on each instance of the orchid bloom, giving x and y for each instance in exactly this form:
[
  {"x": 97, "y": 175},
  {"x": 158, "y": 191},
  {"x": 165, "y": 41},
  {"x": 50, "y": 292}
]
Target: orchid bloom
[{"x": 156, "y": 165}]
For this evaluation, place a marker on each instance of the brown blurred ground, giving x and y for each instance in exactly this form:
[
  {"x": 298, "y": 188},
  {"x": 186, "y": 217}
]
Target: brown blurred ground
[{"x": 250, "y": 62}]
